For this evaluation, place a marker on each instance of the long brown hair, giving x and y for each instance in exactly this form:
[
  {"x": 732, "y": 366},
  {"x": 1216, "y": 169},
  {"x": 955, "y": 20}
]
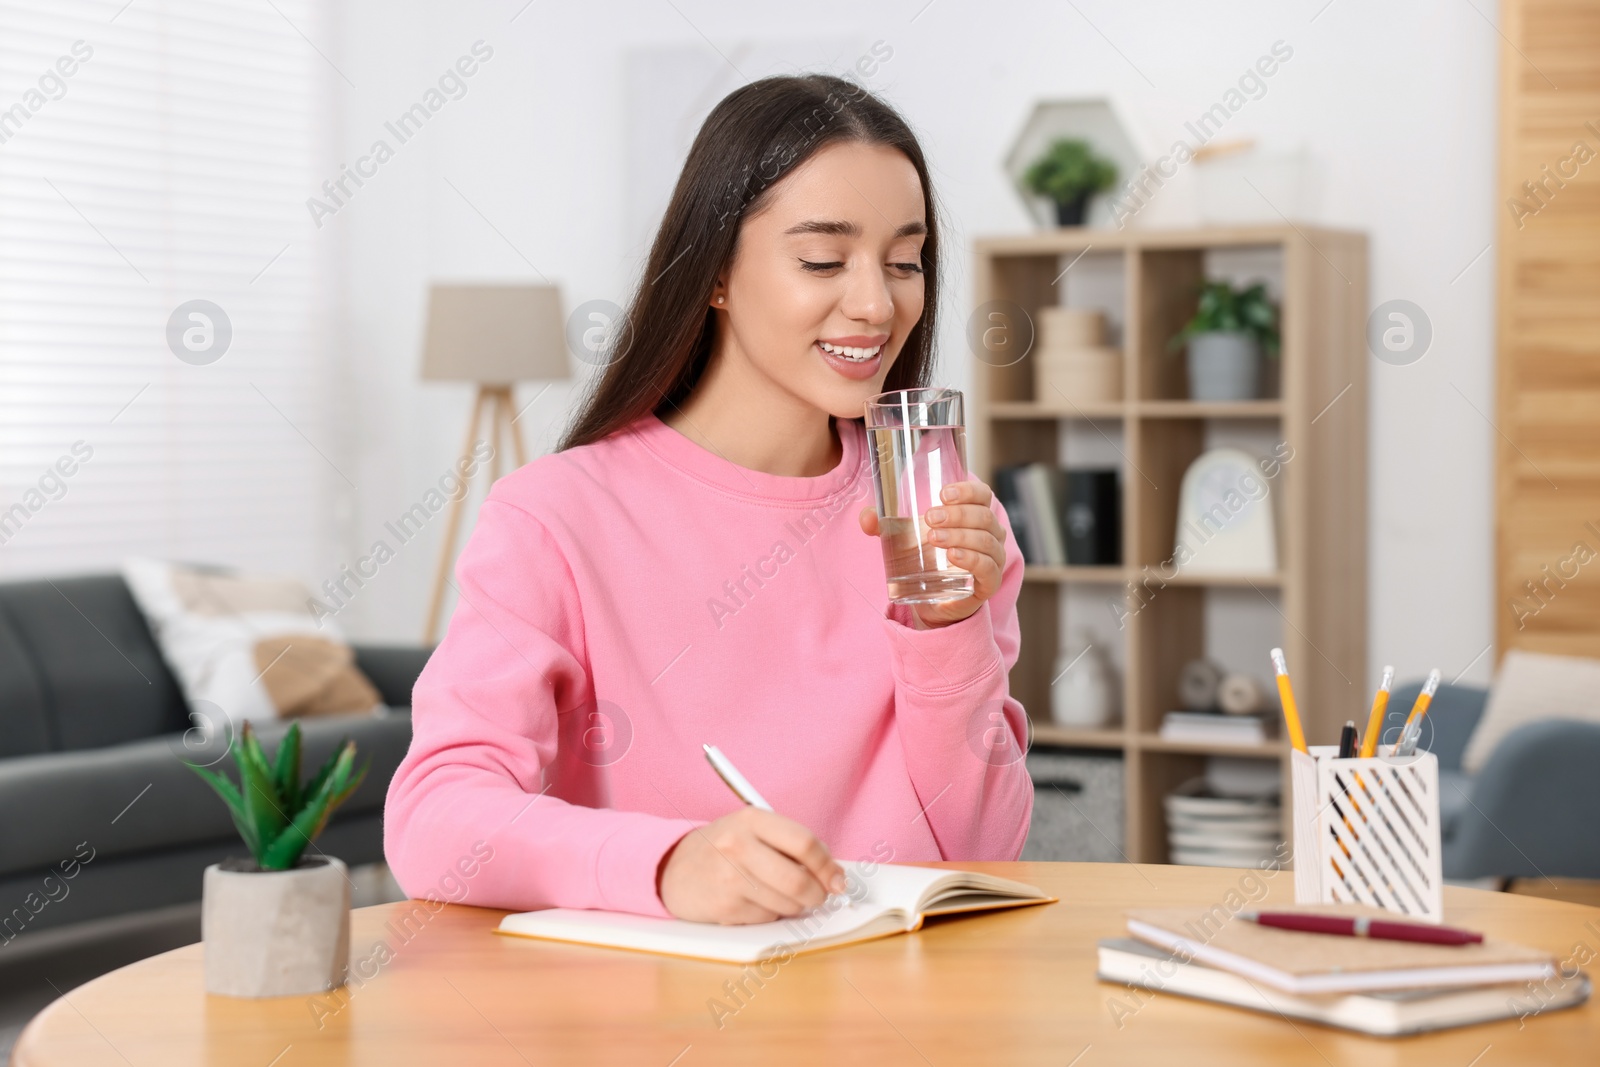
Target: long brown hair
[{"x": 758, "y": 134}]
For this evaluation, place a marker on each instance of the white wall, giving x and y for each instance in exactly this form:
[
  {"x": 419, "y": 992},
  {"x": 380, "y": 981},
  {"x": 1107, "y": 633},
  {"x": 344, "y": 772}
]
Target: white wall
[{"x": 1397, "y": 102}]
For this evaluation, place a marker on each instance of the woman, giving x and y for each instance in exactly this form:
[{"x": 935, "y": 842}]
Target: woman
[{"x": 681, "y": 571}]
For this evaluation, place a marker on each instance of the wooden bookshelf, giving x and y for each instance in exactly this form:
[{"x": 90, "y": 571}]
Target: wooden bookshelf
[{"x": 1315, "y": 603}]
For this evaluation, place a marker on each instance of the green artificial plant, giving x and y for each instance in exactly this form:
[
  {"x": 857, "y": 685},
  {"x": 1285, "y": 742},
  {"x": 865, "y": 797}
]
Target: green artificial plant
[
  {"x": 277, "y": 816},
  {"x": 1225, "y": 309},
  {"x": 1068, "y": 170}
]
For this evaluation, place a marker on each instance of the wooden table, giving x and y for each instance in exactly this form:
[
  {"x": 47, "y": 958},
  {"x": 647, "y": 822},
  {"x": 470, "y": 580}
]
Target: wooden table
[{"x": 1011, "y": 987}]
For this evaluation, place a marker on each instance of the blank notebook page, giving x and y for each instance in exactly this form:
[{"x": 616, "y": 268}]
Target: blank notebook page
[{"x": 869, "y": 897}]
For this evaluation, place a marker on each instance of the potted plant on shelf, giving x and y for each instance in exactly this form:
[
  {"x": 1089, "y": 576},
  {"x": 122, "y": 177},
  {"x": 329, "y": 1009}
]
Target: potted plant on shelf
[
  {"x": 1227, "y": 336},
  {"x": 1069, "y": 173},
  {"x": 278, "y": 923}
]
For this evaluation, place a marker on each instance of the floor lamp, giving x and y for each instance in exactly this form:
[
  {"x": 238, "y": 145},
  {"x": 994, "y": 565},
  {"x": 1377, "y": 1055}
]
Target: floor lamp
[{"x": 493, "y": 335}]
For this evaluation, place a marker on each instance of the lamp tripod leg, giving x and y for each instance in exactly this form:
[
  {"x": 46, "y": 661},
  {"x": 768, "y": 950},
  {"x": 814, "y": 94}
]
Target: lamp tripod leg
[
  {"x": 517, "y": 450},
  {"x": 447, "y": 550},
  {"x": 496, "y": 434}
]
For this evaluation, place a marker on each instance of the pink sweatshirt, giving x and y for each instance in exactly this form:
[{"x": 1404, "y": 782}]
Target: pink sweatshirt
[{"x": 624, "y": 602}]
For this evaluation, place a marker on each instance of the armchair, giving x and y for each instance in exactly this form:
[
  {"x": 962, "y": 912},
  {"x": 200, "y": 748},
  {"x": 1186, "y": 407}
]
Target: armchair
[{"x": 1534, "y": 808}]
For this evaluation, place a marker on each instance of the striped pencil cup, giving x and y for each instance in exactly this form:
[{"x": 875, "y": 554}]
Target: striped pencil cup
[{"x": 1366, "y": 831}]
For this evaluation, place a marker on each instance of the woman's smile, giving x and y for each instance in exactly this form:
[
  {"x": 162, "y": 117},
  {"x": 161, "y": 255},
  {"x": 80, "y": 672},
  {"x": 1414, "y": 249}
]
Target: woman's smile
[{"x": 856, "y": 357}]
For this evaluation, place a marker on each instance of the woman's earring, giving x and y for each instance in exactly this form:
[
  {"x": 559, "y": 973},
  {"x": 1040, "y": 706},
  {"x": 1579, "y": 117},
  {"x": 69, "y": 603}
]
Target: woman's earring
[{"x": 721, "y": 299}]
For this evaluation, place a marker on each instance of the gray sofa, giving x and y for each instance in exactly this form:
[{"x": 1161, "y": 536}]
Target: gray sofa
[
  {"x": 1532, "y": 811},
  {"x": 92, "y": 743}
]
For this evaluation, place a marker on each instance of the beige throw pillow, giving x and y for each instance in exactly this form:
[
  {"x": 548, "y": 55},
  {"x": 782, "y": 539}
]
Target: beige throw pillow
[
  {"x": 1530, "y": 687},
  {"x": 307, "y": 675}
]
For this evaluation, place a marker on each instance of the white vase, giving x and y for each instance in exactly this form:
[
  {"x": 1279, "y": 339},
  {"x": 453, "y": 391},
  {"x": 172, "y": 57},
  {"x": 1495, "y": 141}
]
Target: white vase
[
  {"x": 1084, "y": 695},
  {"x": 276, "y": 933}
]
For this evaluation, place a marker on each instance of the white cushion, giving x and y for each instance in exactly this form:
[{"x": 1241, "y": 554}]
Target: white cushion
[
  {"x": 1530, "y": 687},
  {"x": 208, "y": 623}
]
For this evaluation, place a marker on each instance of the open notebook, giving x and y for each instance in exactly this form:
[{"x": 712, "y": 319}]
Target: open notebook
[{"x": 881, "y": 899}]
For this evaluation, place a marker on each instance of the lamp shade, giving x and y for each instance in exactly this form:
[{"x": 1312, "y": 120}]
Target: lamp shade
[{"x": 494, "y": 334}]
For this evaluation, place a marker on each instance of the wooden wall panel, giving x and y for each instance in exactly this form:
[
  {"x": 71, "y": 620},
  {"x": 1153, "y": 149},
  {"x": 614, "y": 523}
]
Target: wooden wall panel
[{"x": 1547, "y": 558}]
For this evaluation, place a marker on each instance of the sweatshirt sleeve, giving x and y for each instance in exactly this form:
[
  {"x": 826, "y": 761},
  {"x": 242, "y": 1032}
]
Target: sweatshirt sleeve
[
  {"x": 484, "y": 730},
  {"x": 963, "y": 733}
]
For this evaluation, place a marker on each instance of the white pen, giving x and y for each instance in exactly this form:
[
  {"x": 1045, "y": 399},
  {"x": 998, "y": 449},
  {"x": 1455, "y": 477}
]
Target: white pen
[
  {"x": 741, "y": 786},
  {"x": 736, "y": 781}
]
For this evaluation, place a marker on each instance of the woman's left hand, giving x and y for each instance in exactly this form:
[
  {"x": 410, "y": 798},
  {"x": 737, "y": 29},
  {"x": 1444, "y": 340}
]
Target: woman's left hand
[{"x": 967, "y": 526}]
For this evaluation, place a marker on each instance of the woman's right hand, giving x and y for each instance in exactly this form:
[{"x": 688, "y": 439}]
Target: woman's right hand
[{"x": 748, "y": 867}]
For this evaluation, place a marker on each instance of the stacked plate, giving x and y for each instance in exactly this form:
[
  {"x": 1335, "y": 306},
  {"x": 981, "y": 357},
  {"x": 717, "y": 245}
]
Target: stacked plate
[{"x": 1208, "y": 829}]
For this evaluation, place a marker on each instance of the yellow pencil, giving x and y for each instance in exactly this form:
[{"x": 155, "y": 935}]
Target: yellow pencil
[
  {"x": 1412, "y": 733},
  {"x": 1380, "y": 705},
  {"x": 1291, "y": 717}
]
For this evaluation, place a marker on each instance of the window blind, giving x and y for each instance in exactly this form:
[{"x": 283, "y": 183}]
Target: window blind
[{"x": 153, "y": 154}]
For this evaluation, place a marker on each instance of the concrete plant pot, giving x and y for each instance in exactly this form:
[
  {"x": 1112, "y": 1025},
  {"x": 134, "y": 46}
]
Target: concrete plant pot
[
  {"x": 1224, "y": 366},
  {"x": 276, "y": 933}
]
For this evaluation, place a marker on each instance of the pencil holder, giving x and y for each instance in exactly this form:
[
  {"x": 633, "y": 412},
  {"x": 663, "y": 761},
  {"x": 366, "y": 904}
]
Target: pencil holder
[{"x": 1366, "y": 831}]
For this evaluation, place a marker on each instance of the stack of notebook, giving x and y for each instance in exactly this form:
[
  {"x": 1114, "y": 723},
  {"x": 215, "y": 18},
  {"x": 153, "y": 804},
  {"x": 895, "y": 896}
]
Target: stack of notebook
[{"x": 1374, "y": 986}]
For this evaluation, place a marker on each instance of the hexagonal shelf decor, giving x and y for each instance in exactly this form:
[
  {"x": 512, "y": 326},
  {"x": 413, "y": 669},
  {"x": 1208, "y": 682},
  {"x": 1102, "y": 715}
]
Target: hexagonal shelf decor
[{"x": 1092, "y": 120}]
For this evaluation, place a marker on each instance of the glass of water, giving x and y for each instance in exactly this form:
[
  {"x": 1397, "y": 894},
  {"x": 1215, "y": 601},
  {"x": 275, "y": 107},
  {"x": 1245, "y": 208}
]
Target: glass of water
[{"x": 918, "y": 444}]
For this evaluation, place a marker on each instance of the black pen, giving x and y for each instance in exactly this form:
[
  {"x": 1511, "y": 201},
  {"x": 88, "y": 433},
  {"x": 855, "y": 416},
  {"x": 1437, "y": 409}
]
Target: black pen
[{"x": 1347, "y": 741}]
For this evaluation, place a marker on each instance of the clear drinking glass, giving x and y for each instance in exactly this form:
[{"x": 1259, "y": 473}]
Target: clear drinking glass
[{"x": 918, "y": 442}]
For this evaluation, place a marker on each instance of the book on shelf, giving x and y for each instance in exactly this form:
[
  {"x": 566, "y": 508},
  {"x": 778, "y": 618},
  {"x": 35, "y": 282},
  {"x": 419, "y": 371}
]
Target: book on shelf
[
  {"x": 1210, "y": 727},
  {"x": 1386, "y": 1013},
  {"x": 1010, "y": 496},
  {"x": 882, "y": 899},
  {"x": 1062, "y": 517},
  {"x": 1039, "y": 500},
  {"x": 1089, "y": 509}
]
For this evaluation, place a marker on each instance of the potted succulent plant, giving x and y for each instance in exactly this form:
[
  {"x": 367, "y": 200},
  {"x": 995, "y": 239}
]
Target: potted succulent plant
[
  {"x": 278, "y": 923},
  {"x": 1227, "y": 336},
  {"x": 1069, "y": 173}
]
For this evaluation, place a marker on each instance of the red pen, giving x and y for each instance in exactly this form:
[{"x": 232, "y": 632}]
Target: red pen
[{"x": 1362, "y": 926}]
